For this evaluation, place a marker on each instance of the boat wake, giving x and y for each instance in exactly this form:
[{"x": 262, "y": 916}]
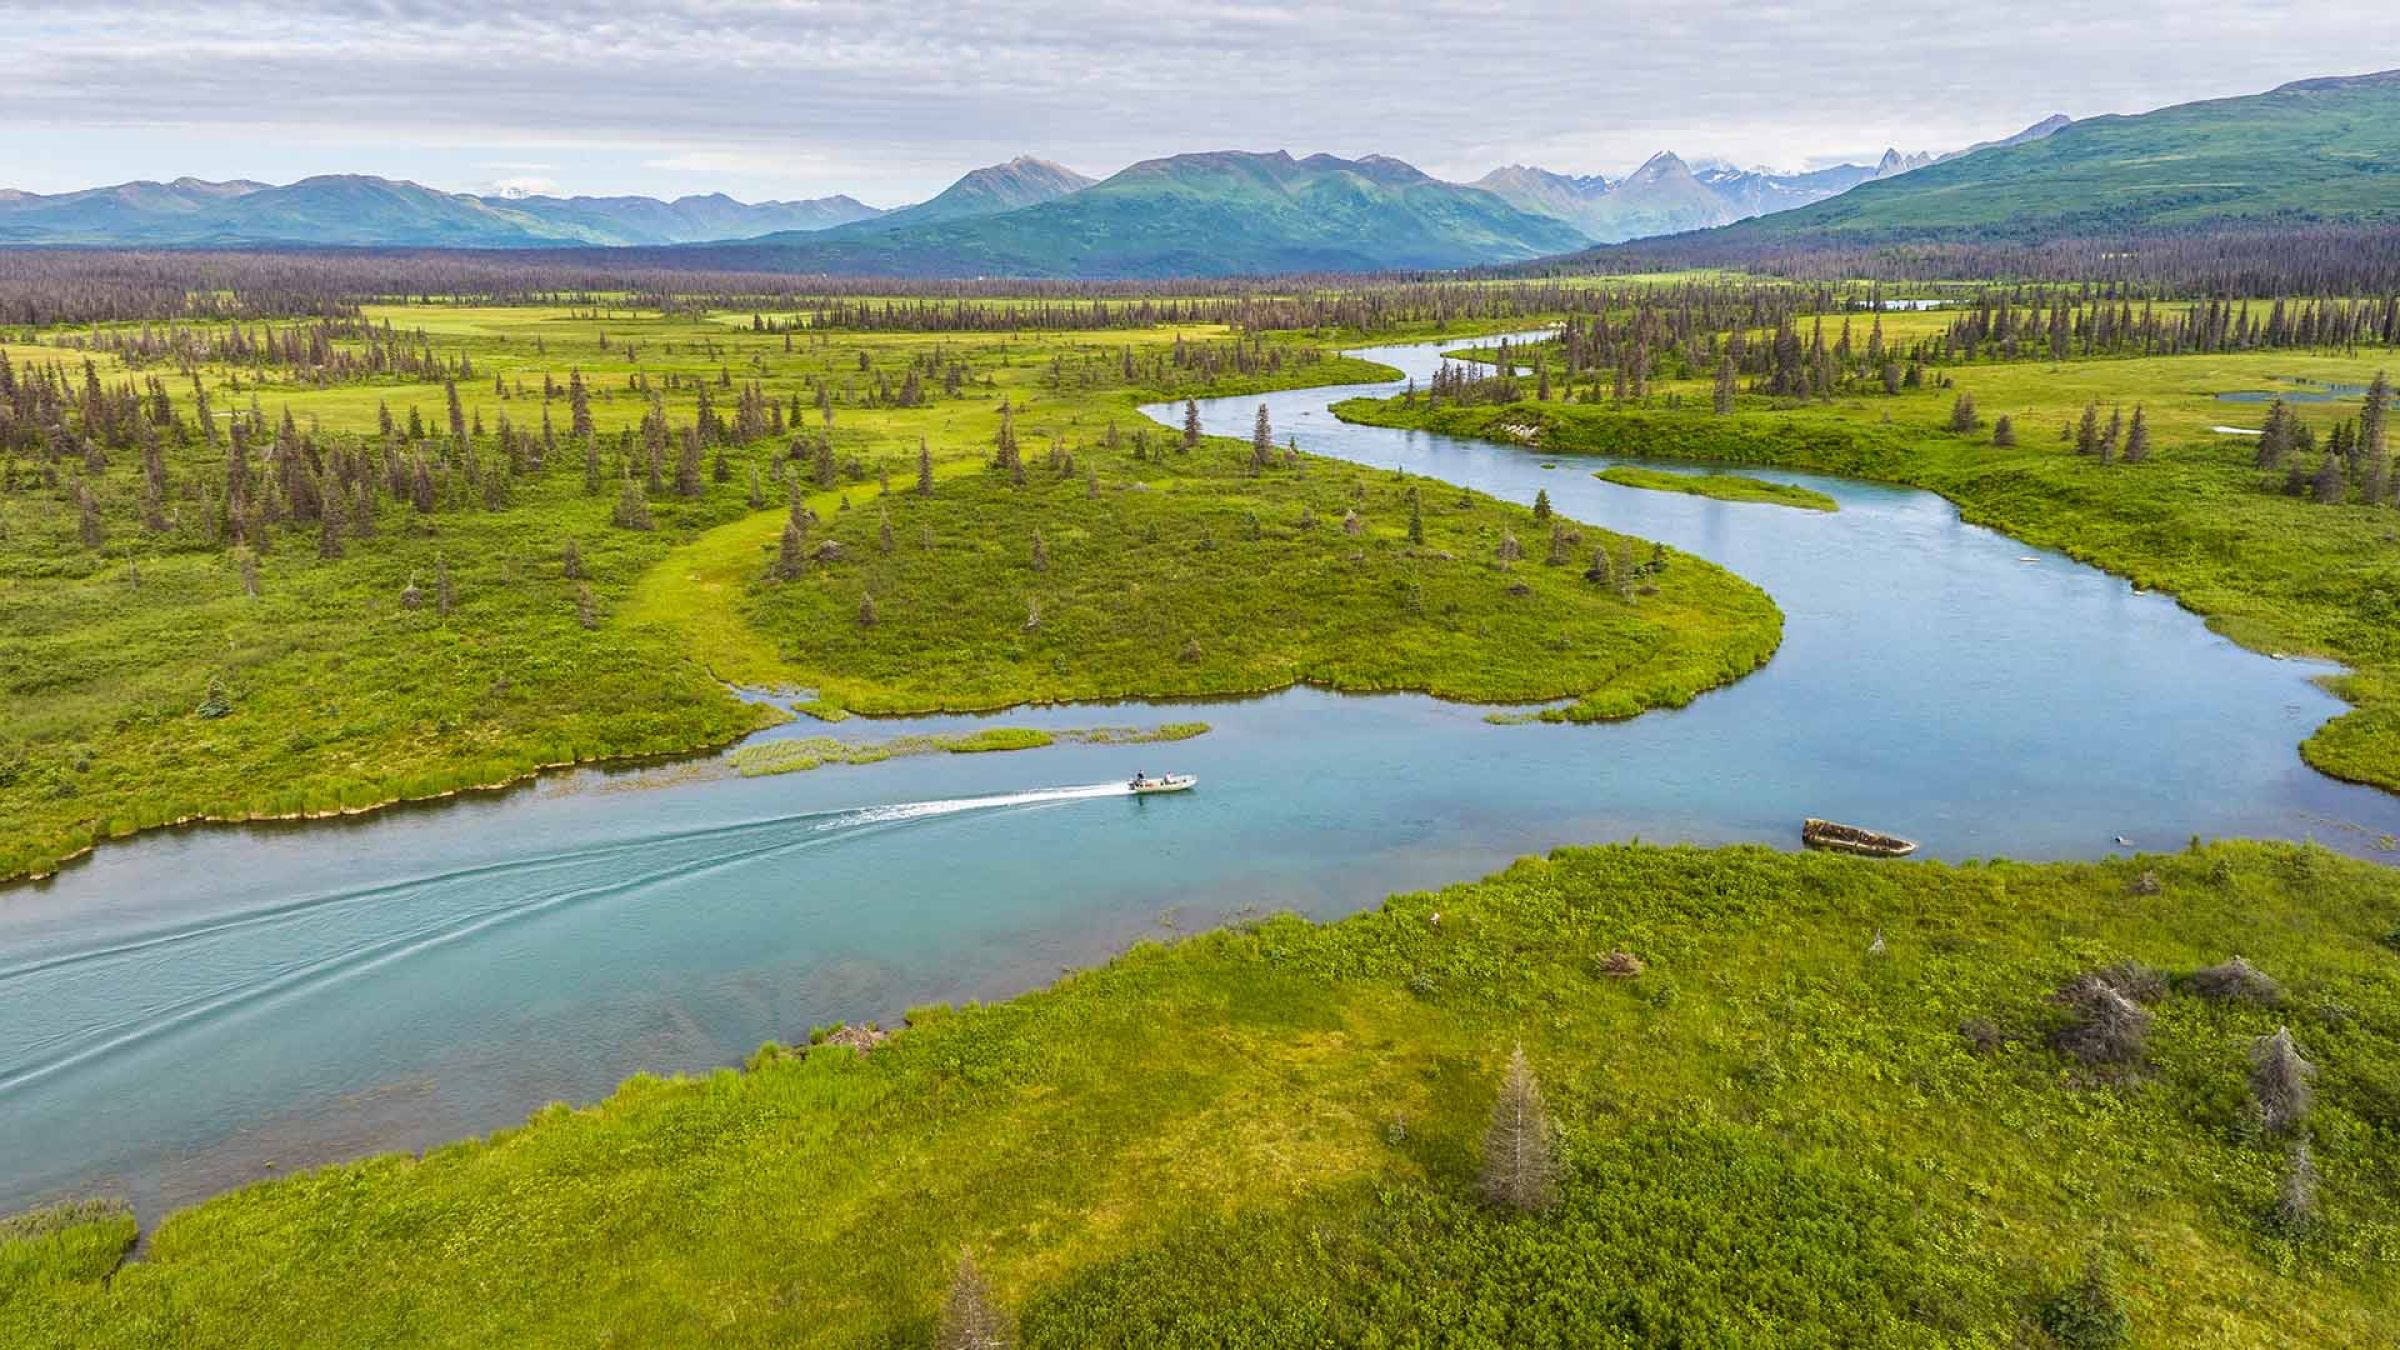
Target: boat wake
[{"x": 191, "y": 972}]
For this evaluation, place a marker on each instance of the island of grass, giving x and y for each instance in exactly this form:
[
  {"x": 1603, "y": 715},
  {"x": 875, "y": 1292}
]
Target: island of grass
[
  {"x": 1098, "y": 575},
  {"x": 1798, "y": 1099},
  {"x": 802, "y": 753},
  {"x": 1725, "y": 487}
]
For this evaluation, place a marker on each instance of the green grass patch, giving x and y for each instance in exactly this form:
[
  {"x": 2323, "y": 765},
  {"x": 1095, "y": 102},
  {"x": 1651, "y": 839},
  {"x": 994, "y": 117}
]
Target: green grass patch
[
  {"x": 1725, "y": 487},
  {"x": 1825, "y": 1111}
]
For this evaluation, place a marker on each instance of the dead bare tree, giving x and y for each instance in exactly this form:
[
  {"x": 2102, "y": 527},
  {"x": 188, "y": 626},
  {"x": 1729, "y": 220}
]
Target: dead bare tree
[
  {"x": 2279, "y": 1079},
  {"x": 971, "y": 1318},
  {"x": 1520, "y": 1157}
]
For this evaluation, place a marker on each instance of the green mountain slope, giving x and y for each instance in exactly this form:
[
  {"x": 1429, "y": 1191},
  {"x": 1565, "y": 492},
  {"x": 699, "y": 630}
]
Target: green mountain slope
[
  {"x": 1216, "y": 214},
  {"x": 988, "y": 191},
  {"x": 2315, "y": 150}
]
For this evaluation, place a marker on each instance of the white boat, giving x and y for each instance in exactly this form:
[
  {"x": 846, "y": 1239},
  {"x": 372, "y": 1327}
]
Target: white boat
[{"x": 1142, "y": 786}]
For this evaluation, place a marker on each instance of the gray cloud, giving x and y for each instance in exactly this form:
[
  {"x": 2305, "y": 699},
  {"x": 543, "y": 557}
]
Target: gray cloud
[{"x": 890, "y": 100}]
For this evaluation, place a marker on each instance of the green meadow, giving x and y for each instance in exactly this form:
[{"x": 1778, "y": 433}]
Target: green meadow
[{"x": 1796, "y": 1100}]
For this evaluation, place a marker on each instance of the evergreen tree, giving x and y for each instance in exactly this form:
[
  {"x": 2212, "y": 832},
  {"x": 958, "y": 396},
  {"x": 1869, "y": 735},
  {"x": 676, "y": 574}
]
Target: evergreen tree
[
  {"x": 2275, "y": 439},
  {"x": 1725, "y": 386},
  {"x": 2137, "y": 438},
  {"x": 790, "y": 561},
  {"x": 1541, "y": 504},
  {"x": 867, "y": 613},
  {"x": 2087, "y": 431},
  {"x": 1262, "y": 440},
  {"x": 570, "y": 562},
  {"x": 2004, "y": 432},
  {"x": 2332, "y": 485},
  {"x": 2373, "y": 435},
  {"x": 1191, "y": 424},
  {"x": 1041, "y": 555},
  {"x": 633, "y": 507},
  {"x": 587, "y": 613},
  {"x": 924, "y": 469},
  {"x": 1962, "y": 415},
  {"x": 1521, "y": 1170}
]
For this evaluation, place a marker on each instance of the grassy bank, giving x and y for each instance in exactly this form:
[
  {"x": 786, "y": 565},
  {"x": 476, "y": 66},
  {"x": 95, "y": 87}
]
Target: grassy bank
[
  {"x": 800, "y": 754},
  {"x": 1826, "y": 1108},
  {"x": 1724, "y": 487},
  {"x": 2273, "y": 572}
]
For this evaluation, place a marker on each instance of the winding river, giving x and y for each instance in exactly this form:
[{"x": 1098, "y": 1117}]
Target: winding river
[{"x": 190, "y": 1010}]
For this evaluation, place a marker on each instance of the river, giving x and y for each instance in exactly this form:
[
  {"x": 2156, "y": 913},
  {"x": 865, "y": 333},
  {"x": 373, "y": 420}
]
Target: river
[{"x": 186, "y": 1011}]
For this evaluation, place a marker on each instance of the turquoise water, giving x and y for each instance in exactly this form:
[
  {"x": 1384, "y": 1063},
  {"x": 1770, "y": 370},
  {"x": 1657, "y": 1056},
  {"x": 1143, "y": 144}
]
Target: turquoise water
[{"x": 187, "y": 1011}]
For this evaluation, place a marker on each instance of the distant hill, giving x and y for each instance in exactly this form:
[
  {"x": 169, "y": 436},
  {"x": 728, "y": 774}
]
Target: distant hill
[
  {"x": 1215, "y": 214},
  {"x": 2315, "y": 150},
  {"x": 685, "y": 220},
  {"x": 1021, "y": 182},
  {"x": 356, "y": 209}
]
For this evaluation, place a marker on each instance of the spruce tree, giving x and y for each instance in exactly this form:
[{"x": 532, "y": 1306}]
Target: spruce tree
[
  {"x": 1262, "y": 440},
  {"x": 1962, "y": 415},
  {"x": 1541, "y": 504},
  {"x": 2004, "y": 432},
  {"x": 1416, "y": 517},
  {"x": 1191, "y": 424},
  {"x": 570, "y": 562},
  {"x": 2137, "y": 438}
]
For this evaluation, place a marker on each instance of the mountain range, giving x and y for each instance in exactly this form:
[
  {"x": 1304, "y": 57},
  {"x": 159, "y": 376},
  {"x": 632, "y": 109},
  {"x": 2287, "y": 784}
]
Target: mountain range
[
  {"x": 1224, "y": 211},
  {"x": 1218, "y": 213},
  {"x": 2315, "y": 150},
  {"x": 355, "y": 209}
]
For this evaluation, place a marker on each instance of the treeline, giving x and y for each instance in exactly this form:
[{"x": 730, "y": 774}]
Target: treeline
[
  {"x": 2019, "y": 324},
  {"x": 309, "y": 351},
  {"x": 1187, "y": 364},
  {"x": 2256, "y": 261}
]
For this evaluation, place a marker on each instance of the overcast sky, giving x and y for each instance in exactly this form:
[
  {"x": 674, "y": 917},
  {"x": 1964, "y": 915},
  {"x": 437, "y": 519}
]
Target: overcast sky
[{"x": 888, "y": 101}]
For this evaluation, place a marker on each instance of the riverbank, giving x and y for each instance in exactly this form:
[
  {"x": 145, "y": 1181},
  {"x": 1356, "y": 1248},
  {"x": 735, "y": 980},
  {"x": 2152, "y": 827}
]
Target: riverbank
[
  {"x": 1296, "y": 1111},
  {"x": 2273, "y": 573}
]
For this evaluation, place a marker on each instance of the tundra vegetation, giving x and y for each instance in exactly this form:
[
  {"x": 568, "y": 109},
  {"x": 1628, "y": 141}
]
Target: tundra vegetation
[{"x": 1621, "y": 1094}]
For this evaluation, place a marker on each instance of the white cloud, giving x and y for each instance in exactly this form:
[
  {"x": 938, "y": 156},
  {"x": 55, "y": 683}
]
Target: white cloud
[{"x": 804, "y": 97}]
